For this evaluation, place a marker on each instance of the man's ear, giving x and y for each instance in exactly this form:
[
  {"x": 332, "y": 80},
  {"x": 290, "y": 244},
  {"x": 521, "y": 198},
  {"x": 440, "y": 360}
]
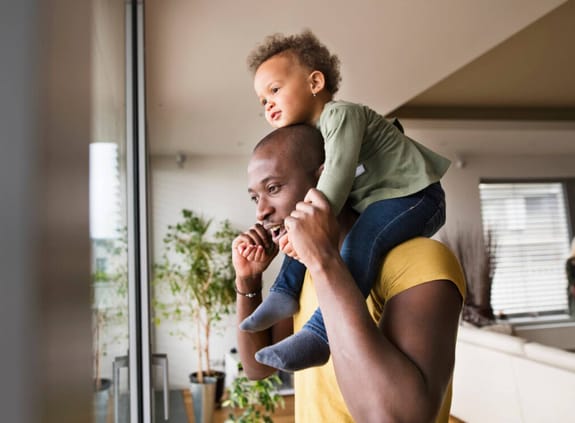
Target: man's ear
[{"x": 316, "y": 81}]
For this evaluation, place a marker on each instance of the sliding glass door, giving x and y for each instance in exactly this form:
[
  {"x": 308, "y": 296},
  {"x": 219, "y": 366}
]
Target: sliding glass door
[
  {"x": 118, "y": 210},
  {"x": 137, "y": 377},
  {"x": 108, "y": 212}
]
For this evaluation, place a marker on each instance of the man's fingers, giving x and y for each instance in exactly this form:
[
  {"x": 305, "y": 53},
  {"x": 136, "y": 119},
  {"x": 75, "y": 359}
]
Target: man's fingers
[
  {"x": 260, "y": 236},
  {"x": 284, "y": 240},
  {"x": 241, "y": 241},
  {"x": 316, "y": 198},
  {"x": 288, "y": 249}
]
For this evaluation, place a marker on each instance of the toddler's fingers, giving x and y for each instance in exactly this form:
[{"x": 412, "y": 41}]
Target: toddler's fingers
[
  {"x": 260, "y": 253},
  {"x": 247, "y": 250}
]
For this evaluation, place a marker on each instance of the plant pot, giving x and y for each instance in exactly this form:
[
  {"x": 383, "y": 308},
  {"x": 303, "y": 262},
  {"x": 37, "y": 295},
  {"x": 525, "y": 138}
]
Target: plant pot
[
  {"x": 203, "y": 397},
  {"x": 101, "y": 398},
  {"x": 220, "y": 384}
]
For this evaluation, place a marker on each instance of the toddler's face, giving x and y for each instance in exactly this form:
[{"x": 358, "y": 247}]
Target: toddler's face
[{"x": 285, "y": 91}]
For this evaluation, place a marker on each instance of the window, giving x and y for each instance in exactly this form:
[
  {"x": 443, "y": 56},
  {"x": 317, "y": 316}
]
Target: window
[
  {"x": 530, "y": 223},
  {"x": 105, "y": 194}
]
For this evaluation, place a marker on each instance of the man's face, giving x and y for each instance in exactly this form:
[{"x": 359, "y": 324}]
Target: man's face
[{"x": 275, "y": 184}]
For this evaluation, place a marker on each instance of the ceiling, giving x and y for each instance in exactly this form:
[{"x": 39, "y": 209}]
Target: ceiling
[
  {"x": 427, "y": 62},
  {"x": 533, "y": 70}
]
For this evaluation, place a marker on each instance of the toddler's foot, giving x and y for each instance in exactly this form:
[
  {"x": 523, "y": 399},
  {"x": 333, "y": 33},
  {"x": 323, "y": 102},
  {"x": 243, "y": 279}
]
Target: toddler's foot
[
  {"x": 275, "y": 307},
  {"x": 299, "y": 351}
]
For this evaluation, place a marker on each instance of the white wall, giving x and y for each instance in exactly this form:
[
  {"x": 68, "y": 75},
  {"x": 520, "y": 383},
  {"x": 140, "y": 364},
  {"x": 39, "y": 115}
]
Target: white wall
[{"x": 216, "y": 186}]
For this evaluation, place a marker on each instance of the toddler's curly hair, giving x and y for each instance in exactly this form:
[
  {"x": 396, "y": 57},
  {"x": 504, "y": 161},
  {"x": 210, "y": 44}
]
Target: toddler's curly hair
[{"x": 308, "y": 50}]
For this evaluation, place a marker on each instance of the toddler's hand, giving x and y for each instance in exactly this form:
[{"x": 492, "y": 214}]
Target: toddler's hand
[{"x": 251, "y": 252}]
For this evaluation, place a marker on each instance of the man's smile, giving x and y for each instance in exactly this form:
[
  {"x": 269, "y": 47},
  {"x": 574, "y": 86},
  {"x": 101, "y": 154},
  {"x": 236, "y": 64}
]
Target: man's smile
[{"x": 276, "y": 231}]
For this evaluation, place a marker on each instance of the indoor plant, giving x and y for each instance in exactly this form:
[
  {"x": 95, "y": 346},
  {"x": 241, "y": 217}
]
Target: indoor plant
[
  {"x": 255, "y": 399},
  {"x": 194, "y": 282}
]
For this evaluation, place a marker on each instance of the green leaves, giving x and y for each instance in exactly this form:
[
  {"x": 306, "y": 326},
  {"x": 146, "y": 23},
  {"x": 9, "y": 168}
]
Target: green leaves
[
  {"x": 194, "y": 280},
  {"x": 256, "y": 399},
  {"x": 201, "y": 268}
]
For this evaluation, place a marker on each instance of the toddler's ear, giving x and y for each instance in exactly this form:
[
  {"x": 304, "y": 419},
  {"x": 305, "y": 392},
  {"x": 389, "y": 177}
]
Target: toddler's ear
[
  {"x": 319, "y": 170},
  {"x": 316, "y": 81}
]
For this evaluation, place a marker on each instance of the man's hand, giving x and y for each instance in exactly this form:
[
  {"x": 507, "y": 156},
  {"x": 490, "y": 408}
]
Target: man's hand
[
  {"x": 312, "y": 229},
  {"x": 286, "y": 247},
  {"x": 252, "y": 252}
]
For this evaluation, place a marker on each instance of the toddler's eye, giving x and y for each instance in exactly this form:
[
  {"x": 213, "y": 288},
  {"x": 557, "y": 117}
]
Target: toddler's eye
[
  {"x": 264, "y": 102},
  {"x": 274, "y": 90}
]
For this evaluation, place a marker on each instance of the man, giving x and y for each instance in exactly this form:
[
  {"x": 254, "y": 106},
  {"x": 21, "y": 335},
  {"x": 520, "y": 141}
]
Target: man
[{"x": 391, "y": 363}]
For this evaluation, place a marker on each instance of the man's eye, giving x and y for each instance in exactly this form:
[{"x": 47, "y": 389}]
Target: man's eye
[
  {"x": 273, "y": 189},
  {"x": 254, "y": 199}
]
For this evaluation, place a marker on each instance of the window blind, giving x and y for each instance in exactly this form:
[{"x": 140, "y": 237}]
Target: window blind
[{"x": 529, "y": 223}]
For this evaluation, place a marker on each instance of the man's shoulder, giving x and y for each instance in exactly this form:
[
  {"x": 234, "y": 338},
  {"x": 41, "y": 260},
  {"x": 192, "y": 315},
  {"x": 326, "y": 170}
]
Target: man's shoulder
[
  {"x": 419, "y": 246},
  {"x": 416, "y": 261}
]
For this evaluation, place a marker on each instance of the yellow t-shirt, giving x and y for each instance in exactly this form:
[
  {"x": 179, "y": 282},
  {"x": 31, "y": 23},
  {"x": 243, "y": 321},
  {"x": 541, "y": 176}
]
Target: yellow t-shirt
[{"x": 419, "y": 260}]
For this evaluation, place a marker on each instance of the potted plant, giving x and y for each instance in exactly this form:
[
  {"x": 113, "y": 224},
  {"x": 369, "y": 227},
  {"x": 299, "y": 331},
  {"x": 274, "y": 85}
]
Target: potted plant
[
  {"x": 194, "y": 284},
  {"x": 254, "y": 400}
]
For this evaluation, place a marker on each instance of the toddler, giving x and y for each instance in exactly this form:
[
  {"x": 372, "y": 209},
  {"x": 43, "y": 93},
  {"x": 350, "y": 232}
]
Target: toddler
[{"x": 388, "y": 178}]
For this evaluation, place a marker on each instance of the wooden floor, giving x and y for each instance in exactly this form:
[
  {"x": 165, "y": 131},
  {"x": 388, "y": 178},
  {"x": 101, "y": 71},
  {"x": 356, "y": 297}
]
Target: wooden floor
[{"x": 284, "y": 415}]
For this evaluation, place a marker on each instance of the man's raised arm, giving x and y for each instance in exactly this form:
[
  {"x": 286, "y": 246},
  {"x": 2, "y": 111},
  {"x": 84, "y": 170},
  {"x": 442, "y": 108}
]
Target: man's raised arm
[
  {"x": 252, "y": 253},
  {"x": 399, "y": 370}
]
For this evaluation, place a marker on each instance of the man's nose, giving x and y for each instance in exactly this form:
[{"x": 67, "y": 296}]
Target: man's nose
[{"x": 264, "y": 210}]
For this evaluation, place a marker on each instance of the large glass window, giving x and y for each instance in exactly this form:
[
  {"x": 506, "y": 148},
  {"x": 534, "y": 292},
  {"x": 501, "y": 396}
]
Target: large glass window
[
  {"x": 108, "y": 213},
  {"x": 530, "y": 224}
]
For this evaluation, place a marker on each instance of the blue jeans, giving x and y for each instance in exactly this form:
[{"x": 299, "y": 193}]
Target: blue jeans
[{"x": 383, "y": 225}]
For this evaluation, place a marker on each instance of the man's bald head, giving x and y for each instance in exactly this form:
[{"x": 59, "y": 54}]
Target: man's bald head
[{"x": 302, "y": 145}]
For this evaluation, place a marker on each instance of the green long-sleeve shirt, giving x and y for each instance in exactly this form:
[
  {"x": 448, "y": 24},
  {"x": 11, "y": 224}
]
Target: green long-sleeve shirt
[{"x": 368, "y": 159}]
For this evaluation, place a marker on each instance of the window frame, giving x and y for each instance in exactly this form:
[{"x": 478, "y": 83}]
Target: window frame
[{"x": 568, "y": 185}]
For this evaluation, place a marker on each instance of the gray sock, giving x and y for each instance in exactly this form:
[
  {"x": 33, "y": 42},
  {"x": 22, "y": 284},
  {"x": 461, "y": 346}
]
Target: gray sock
[
  {"x": 296, "y": 352},
  {"x": 275, "y": 307}
]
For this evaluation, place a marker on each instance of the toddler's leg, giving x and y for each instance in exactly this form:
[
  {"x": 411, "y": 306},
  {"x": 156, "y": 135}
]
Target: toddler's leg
[
  {"x": 275, "y": 307},
  {"x": 386, "y": 224},
  {"x": 306, "y": 348},
  {"x": 299, "y": 351},
  {"x": 282, "y": 300}
]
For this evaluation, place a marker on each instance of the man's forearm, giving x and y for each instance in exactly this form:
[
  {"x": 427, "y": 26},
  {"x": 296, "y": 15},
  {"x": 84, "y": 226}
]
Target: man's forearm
[{"x": 249, "y": 343}]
